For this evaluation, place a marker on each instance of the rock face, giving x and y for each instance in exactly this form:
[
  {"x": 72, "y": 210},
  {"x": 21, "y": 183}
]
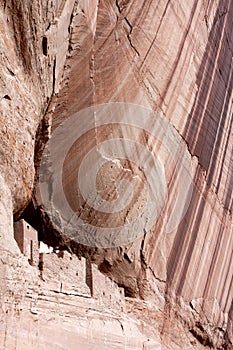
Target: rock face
[
  {"x": 60, "y": 57},
  {"x": 26, "y": 86}
]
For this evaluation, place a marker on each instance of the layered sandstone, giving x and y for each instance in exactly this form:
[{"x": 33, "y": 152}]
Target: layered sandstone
[{"x": 59, "y": 57}]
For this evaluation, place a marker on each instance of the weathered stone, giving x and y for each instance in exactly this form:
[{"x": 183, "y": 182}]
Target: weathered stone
[
  {"x": 27, "y": 240},
  {"x": 59, "y": 57}
]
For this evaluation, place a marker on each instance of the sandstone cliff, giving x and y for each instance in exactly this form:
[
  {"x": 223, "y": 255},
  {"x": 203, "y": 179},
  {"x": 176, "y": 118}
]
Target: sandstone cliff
[{"x": 60, "y": 57}]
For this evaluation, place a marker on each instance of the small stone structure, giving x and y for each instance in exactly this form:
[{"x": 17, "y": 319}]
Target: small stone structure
[
  {"x": 66, "y": 273},
  {"x": 106, "y": 290},
  {"x": 27, "y": 238}
]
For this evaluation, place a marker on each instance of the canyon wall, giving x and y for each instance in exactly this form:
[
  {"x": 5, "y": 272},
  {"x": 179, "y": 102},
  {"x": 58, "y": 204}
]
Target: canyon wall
[{"x": 57, "y": 59}]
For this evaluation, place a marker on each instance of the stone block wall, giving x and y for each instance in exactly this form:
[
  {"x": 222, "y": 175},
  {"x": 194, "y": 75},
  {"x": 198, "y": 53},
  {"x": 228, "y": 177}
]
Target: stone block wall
[
  {"x": 66, "y": 273},
  {"x": 27, "y": 240}
]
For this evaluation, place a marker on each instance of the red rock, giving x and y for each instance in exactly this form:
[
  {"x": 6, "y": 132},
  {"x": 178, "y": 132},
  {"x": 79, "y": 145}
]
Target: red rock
[{"x": 60, "y": 57}]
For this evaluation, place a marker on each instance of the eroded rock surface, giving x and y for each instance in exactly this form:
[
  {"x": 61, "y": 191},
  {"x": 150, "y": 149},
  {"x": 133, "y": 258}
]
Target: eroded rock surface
[{"x": 59, "y": 57}]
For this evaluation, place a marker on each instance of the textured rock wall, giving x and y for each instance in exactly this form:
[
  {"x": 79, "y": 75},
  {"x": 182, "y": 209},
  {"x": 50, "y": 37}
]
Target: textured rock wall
[
  {"x": 26, "y": 86},
  {"x": 176, "y": 57}
]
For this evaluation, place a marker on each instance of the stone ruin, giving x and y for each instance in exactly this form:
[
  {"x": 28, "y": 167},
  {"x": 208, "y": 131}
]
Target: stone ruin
[{"x": 65, "y": 272}]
